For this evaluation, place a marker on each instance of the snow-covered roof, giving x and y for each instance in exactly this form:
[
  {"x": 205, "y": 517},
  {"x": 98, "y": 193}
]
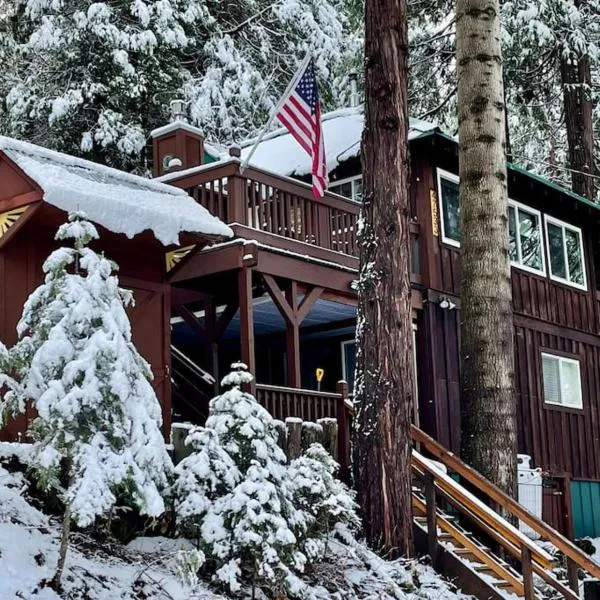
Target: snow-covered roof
[
  {"x": 342, "y": 131},
  {"x": 119, "y": 201}
]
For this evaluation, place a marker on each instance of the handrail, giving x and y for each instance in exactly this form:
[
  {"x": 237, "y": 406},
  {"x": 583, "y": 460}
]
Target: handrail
[
  {"x": 491, "y": 519},
  {"x": 497, "y": 495},
  {"x": 192, "y": 366}
]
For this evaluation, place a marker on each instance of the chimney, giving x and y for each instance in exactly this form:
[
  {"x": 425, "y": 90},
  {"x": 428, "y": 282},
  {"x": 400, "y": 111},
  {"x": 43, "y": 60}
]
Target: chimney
[
  {"x": 178, "y": 145},
  {"x": 354, "y": 97}
]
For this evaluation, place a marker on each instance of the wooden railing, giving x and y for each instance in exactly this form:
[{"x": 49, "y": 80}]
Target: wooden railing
[
  {"x": 312, "y": 405},
  {"x": 509, "y": 537},
  {"x": 275, "y": 204}
]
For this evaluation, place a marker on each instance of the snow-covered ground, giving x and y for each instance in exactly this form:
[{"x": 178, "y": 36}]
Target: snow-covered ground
[{"x": 145, "y": 568}]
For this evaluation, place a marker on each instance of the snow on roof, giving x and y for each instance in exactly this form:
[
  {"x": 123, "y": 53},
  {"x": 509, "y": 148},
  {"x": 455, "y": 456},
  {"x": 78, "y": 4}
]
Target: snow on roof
[
  {"x": 119, "y": 201},
  {"x": 342, "y": 131}
]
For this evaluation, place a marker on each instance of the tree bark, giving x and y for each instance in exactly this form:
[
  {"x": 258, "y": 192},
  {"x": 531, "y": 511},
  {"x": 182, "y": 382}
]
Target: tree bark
[
  {"x": 488, "y": 411},
  {"x": 576, "y": 80},
  {"x": 384, "y": 383},
  {"x": 55, "y": 584}
]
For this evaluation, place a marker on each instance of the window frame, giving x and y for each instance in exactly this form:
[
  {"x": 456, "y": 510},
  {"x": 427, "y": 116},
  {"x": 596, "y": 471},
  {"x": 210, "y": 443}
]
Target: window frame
[
  {"x": 534, "y": 211},
  {"x": 442, "y": 174},
  {"x": 561, "y": 358},
  {"x": 350, "y": 180},
  {"x": 564, "y": 225}
]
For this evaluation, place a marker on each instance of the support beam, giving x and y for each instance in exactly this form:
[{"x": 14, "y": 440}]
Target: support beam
[
  {"x": 292, "y": 338},
  {"x": 192, "y": 320},
  {"x": 246, "y": 320},
  {"x": 308, "y": 302}
]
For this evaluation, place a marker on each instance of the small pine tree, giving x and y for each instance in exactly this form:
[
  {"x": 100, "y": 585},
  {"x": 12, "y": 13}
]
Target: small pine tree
[
  {"x": 98, "y": 423},
  {"x": 244, "y": 515},
  {"x": 326, "y": 500}
]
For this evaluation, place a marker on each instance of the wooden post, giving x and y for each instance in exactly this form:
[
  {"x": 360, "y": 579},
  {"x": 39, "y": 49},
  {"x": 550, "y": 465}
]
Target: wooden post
[
  {"x": 292, "y": 338},
  {"x": 247, "y": 322},
  {"x": 573, "y": 575},
  {"x": 237, "y": 203},
  {"x": 330, "y": 436},
  {"x": 527, "y": 572},
  {"x": 293, "y": 428},
  {"x": 311, "y": 434},
  {"x": 432, "y": 540},
  {"x": 343, "y": 430}
]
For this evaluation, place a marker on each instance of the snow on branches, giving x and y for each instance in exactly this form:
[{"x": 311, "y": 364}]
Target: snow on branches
[
  {"x": 256, "y": 517},
  {"x": 98, "y": 417}
]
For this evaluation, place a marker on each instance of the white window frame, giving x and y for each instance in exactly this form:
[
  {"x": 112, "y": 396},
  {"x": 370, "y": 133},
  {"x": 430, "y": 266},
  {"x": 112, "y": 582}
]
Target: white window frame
[
  {"x": 351, "y": 180},
  {"x": 561, "y": 360},
  {"x": 441, "y": 174},
  {"x": 519, "y": 265},
  {"x": 564, "y": 225}
]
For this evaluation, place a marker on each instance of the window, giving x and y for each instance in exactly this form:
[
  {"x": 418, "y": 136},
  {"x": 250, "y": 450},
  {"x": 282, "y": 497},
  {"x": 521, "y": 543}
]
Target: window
[
  {"x": 449, "y": 209},
  {"x": 350, "y": 188},
  {"x": 562, "y": 381},
  {"x": 525, "y": 238},
  {"x": 565, "y": 253}
]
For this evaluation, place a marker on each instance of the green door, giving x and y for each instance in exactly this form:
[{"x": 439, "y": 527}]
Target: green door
[{"x": 585, "y": 499}]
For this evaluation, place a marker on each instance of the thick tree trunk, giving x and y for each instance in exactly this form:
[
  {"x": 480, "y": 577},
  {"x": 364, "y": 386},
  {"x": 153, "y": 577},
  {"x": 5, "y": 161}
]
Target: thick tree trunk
[
  {"x": 576, "y": 79},
  {"x": 64, "y": 546},
  {"x": 488, "y": 412},
  {"x": 384, "y": 388}
]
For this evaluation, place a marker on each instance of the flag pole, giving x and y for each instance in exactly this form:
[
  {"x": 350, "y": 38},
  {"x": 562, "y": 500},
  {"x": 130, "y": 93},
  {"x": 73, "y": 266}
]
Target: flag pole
[{"x": 274, "y": 112}]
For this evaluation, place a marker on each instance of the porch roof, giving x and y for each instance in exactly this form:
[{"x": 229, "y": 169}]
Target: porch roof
[{"x": 121, "y": 202}]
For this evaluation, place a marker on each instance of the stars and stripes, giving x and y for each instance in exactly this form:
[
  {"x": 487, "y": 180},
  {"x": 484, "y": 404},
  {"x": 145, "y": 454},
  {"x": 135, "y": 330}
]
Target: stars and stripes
[{"x": 300, "y": 113}]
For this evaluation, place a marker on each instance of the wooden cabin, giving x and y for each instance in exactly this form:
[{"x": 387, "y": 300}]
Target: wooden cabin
[
  {"x": 280, "y": 296},
  {"x": 138, "y": 220},
  {"x": 274, "y": 288}
]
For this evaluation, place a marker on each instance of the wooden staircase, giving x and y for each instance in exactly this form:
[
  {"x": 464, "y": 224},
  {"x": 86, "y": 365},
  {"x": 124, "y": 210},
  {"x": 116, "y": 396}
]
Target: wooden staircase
[{"x": 469, "y": 540}]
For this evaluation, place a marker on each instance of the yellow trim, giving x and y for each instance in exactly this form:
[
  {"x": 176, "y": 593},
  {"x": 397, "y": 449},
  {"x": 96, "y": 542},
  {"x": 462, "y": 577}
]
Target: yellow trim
[
  {"x": 176, "y": 256},
  {"x": 9, "y": 218}
]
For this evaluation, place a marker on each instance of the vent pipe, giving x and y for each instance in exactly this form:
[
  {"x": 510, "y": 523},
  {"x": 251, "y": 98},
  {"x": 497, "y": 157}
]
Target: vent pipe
[{"x": 178, "y": 110}]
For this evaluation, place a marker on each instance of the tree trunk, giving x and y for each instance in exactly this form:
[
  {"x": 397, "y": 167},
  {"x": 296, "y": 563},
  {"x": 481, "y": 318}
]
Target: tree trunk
[
  {"x": 384, "y": 384},
  {"x": 488, "y": 411},
  {"x": 576, "y": 79},
  {"x": 64, "y": 546}
]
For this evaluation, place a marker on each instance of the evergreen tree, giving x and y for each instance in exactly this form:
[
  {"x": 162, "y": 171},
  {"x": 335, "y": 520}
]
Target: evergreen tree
[
  {"x": 233, "y": 493},
  {"x": 96, "y": 78},
  {"x": 97, "y": 434}
]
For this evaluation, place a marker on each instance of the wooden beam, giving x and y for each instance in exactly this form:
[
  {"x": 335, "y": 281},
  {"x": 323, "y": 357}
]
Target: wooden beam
[
  {"x": 20, "y": 200},
  {"x": 185, "y": 296},
  {"x": 278, "y": 297},
  {"x": 192, "y": 320},
  {"x": 292, "y": 338},
  {"x": 308, "y": 302},
  {"x": 21, "y": 222},
  {"x": 209, "y": 262},
  {"x": 246, "y": 321},
  {"x": 224, "y": 320}
]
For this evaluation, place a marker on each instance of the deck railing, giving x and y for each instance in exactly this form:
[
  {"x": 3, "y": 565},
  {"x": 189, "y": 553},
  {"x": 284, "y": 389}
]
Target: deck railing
[
  {"x": 312, "y": 405},
  {"x": 275, "y": 204},
  {"x": 513, "y": 543}
]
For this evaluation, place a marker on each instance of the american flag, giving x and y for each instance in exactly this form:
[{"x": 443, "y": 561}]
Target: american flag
[{"x": 300, "y": 113}]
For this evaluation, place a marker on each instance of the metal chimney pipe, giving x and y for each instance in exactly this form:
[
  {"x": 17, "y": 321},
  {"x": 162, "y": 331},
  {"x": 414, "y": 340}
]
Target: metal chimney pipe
[
  {"x": 354, "y": 97},
  {"x": 178, "y": 110}
]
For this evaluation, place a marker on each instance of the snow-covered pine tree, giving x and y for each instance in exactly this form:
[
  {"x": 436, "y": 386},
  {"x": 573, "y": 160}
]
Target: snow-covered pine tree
[
  {"x": 322, "y": 496},
  {"x": 233, "y": 493},
  {"x": 97, "y": 434},
  {"x": 97, "y": 77}
]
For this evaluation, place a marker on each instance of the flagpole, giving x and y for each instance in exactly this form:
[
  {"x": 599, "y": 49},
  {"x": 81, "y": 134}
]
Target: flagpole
[{"x": 274, "y": 112}]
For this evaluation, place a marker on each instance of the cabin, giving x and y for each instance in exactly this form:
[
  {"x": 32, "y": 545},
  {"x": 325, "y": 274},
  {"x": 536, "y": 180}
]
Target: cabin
[{"x": 264, "y": 273}]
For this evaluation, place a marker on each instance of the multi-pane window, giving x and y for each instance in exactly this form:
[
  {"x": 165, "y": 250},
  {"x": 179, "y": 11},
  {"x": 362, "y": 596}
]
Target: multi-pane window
[
  {"x": 350, "y": 188},
  {"x": 565, "y": 253},
  {"x": 450, "y": 211},
  {"x": 525, "y": 238},
  {"x": 562, "y": 381}
]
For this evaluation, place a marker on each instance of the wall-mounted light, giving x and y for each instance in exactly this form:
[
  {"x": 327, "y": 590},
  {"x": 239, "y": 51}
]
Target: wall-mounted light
[{"x": 446, "y": 303}]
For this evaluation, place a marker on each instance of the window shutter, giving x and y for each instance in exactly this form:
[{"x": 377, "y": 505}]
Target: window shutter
[{"x": 551, "y": 373}]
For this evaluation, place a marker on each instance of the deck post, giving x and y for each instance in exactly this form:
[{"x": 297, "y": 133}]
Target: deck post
[
  {"x": 292, "y": 338},
  {"x": 432, "y": 539},
  {"x": 343, "y": 430},
  {"x": 573, "y": 575},
  {"x": 247, "y": 322},
  {"x": 527, "y": 572}
]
